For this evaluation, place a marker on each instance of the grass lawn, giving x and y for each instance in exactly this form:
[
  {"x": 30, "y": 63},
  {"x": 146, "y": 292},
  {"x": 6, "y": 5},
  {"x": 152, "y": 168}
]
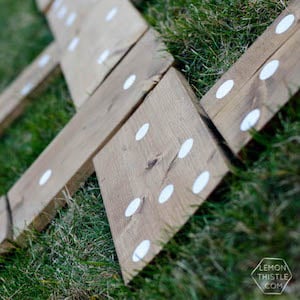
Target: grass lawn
[{"x": 254, "y": 214}]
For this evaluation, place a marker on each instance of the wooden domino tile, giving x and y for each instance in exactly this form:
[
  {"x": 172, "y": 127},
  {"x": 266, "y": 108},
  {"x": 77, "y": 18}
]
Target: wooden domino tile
[
  {"x": 65, "y": 18},
  {"x": 44, "y": 5},
  {"x": 156, "y": 171},
  {"x": 5, "y": 226},
  {"x": 97, "y": 49},
  {"x": 237, "y": 105},
  {"x": 15, "y": 97},
  {"x": 66, "y": 162}
]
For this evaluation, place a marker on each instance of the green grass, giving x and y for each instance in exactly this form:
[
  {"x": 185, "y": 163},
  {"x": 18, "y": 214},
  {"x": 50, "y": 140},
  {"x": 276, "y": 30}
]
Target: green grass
[{"x": 254, "y": 214}]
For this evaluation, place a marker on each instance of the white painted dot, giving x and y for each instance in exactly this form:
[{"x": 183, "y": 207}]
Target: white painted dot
[
  {"x": 201, "y": 182},
  {"x": 250, "y": 120},
  {"x": 142, "y": 132},
  {"x": 72, "y": 46},
  {"x": 141, "y": 251},
  {"x": 111, "y": 14},
  {"x": 224, "y": 89},
  {"x": 44, "y": 60},
  {"x": 129, "y": 82},
  {"x": 26, "y": 89},
  {"x": 57, "y": 4},
  {"x": 103, "y": 57},
  {"x": 269, "y": 69},
  {"x": 166, "y": 194},
  {"x": 71, "y": 19},
  {"x": 45, "y": 177},
  {"x": 133, "y": 207},
  {"x": 62, "y": 12},
  {"x": 185, "y": 148},
  {"x": 285, "y": 24}
]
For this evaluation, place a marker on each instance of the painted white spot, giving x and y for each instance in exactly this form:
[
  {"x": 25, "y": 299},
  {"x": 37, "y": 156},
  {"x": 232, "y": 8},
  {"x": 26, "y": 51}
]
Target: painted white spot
[
  {"x": 224, "y": 89},
  {"x": 142, "y": 132},
  {"x": 166, "y": 194},
  {"x": 62, "y": 12},
  {"x": 185, "y": 148},
  {"x": 57, "y": 4},
  {"x": 72, "y": 46},
  {"x": 44, "y": 60},
  {"x": 201, "y": 182},
  {"x": 250, "y": 120},
  {"x": 103, "y": 56},
  {"x": 129, "y": 82},
  {"x": 285, "y": 24},
  {"x": 45, "y": 177},
  {"x": 269, "y": 69},
  {"x": 111, "y": 14},
  {"x": 141, "y": 251},
  {"x": 26, "y": 89},
  {"x": 71, "y": 19},
  {"x": 133, "y": 207}
]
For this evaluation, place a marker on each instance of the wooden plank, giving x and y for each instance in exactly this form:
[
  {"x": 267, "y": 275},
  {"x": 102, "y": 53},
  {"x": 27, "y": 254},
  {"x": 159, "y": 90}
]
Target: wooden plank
[
  {"x": 5, "y": 226},
  {"x": 148, "y": 172},
  {"x": 44, "y": 5},
  {"x": 65, "y": 18},
  {"x": 97, "y": 49},
  {"x": 66, "y": 162},
  {"x": 16, "y": 96},
  {"x": 246, "y": 67},
  {"x": 270, "y": 87}
]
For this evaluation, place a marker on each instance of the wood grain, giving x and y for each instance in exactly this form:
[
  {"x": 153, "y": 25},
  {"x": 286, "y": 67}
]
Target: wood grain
[
  {"x": 31, "y": 81},
  {"x": 110, "y": 40},
  {"x": 70, "y": 153},
  {"x": 246, "y": 67},
  {"x": 265, "y": 97},
  {"x": 65, "y": 18},
  {"x": 5, "y": 226},
  {"x": 128, "y": 169}
]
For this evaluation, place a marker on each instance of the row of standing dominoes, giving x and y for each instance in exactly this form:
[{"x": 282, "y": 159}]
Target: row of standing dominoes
[{"x": 163, "y": 162}]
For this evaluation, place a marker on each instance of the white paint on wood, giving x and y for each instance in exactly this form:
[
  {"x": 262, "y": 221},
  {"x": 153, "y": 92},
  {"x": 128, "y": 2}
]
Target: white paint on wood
[
  {"x": 142, "y": 132},
  {"x": 141, "y": 251},
  {"x": 129, "y": 82},
  {"x": 62, "y": 12},
  {"x": 103, "y": 56},
  {"x": 269, "y": 69},
  {"x": 186, "y": 148},
  {"x": 166, "y": 194},
  {"x": 285, "y": 24},
  {"x": 225, "y": 89},
  {"x": 133, "y": 207},
  {"x": 26, "y": 89},
  {"x": 44, "y": 60},
  {"x": 111, "y": 14},
  {"x": 201, "y": 182},
  {"x": 74, "y": 43},
  {"x": 71, "y": 19},
  {"x": 250, "y": 120},
  {"x": 57, "y": 4},
  {"x": 45, "y": 177}
]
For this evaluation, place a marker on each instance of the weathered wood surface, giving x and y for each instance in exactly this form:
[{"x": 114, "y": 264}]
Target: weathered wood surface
[
  {"x": 15, "y": 97},
  {"x": 249, "y": 63},
  {"x": 5, "y": 226},
  {"x": 66, "y": 162},
  {"x": 65, "y": 18},
  {"x": 251, "y": 104},
  {"x": 97, "y": 49},
  {"x": 147, "y": 172}
]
